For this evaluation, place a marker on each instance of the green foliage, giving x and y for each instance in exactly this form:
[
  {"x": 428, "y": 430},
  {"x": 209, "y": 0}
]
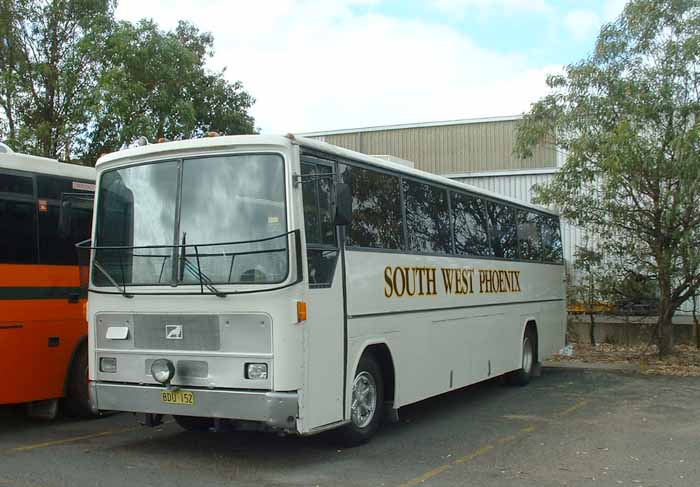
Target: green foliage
[
  {"x": 628, "y": 118},
  {"x": 75, "y": 81}
]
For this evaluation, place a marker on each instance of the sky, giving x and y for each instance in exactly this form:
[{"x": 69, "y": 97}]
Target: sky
[{"x": 316, "y": 65}]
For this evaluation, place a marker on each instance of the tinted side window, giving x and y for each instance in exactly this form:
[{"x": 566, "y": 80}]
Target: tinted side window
[
  {"x": 53, "y": 187},
  {"x": 551, "y": 240},
  {"x": 376, "y": 208},
  {"x": 503, "y": 230},
  {"x": 427, "y": 218},
  {"x": 319, "y": 227},
  {"x": 470, "y": 225},
  {"x": 17, "y": 231},
  {"x": 9, "y": 183},
  {"x": 529, "y": 240},
  {"x": 60, "y": 249}
]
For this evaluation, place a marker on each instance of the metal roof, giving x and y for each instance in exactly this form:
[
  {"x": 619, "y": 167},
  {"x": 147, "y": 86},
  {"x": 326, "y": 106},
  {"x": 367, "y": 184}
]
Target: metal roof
[{"x": 378, "y": 128}]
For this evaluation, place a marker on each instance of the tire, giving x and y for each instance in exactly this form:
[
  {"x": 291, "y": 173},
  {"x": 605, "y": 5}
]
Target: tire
[
  {"x": 193, "y": 423},
  {"x": 367, "y": 404},
  {"x": 77, "y": 401},
  {"x": 523, "y": 375}
]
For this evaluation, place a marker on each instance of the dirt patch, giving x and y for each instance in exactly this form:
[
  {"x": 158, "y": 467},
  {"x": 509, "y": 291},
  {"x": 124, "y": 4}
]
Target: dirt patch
[{"x": 684, "y": 363}]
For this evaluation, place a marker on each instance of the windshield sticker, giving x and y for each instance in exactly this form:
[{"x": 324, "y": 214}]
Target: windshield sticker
[{"x": 83, "y": 186}]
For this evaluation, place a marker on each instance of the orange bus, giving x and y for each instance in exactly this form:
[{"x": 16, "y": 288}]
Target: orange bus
[{"x": 43, "y": 332}]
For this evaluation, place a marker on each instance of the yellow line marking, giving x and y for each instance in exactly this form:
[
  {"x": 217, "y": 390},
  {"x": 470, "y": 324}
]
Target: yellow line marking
[
  {"x": 72, "y": 439},
  {"x": 481, "y": 451},
  {"x": 572, "y": 409},
  {"x": 487, "y": 448}
]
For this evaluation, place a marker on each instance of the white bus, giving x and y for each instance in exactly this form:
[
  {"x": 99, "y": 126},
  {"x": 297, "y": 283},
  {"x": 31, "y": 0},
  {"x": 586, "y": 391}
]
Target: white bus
[{"x": 287, "y": 284}]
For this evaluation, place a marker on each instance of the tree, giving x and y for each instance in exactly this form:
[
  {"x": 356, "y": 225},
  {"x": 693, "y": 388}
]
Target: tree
[
  {"x": 155, "y": 84},
  {"x": 588, "y": 288},
  {"x": 75, "y": 82},
  {"x": 50, "y": 53},
  {"x": 628, "y": 118}
]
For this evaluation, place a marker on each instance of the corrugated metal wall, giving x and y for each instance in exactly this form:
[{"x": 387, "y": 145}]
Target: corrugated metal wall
[
  {"x": 519, "y": 186},
  {"x": 450, "y": 148}
]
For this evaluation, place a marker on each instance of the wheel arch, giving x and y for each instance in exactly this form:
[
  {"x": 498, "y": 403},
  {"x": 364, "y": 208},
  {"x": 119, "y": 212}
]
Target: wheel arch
[
  {"x": 530, "y": 325},
  {"x": 381, "y": 352},
  {"x": 82, "y": 342}
]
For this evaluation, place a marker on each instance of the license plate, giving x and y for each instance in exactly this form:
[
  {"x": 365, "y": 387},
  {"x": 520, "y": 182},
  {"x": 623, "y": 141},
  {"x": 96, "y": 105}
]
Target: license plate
[{"x": 178, "y": 397}]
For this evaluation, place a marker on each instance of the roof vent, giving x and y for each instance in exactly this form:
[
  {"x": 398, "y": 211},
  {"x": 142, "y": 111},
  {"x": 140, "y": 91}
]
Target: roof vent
[{"x": 5, "y": 149}]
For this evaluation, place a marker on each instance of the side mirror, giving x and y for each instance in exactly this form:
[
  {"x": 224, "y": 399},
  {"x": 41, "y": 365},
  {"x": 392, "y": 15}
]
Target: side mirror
[
  {"x": 343, "y": 204},
  {"x": 65, "y": 218}
]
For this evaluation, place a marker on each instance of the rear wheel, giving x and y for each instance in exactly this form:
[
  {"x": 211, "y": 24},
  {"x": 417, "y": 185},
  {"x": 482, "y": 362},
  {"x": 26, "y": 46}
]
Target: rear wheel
[
  {"x": 77, "y": 401},
  {"x": 522, "y": 376},
  {"x": 193, "y": 423},
  {"x": 367, "y": 403}
]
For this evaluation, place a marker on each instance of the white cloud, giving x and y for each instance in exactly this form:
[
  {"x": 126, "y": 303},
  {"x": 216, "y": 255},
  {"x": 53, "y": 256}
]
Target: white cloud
[
  {"x": 318, "y": 65},
  {"x": 582, "y": 24},
  {"x": 461, "y": 8},
  {"x": 612, "y": 9}
]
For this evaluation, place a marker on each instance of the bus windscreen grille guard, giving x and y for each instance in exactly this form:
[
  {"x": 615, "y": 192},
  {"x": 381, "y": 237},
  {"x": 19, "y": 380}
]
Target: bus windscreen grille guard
[{"x": 90, "y": 255}]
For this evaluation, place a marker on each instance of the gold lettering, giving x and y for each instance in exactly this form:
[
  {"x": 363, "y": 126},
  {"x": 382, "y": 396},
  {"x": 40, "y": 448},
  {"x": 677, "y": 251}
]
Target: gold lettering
[
  {"x": 399, "y": 270},
  {"x": 408, "y": 281},
  {"x": 388, "y": 283},
  {"x": 430, "y": 277},
  {"x": 516, "y": 280},
  {"x": 420, "y": 280},
  {"x": 447, "y": 279}
]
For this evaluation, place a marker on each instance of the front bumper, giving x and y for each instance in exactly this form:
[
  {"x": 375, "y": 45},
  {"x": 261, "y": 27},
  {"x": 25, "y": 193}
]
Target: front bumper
[{"x": 278, "y": 410}]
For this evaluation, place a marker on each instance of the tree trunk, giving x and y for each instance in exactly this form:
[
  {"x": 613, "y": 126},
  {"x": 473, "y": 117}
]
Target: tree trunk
[
  {"x": 696, "y": 323},
  {"x": 592, "y": 330},
  {"x": 665, "y": 336}
]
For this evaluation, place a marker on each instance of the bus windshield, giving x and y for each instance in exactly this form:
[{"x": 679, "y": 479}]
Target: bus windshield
[{"x": 217, "y": 219}]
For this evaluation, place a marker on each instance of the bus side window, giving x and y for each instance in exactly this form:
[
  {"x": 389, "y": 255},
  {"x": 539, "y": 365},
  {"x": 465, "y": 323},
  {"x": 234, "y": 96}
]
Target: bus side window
[
  {"x": 17, "y": 232},
  {"x": 551, "y": 240},
  {"x": 529, "y": 238},
  {"x": 55, "y": 249},
  {"x": 470, "y": 224},
  {"x": 504, "y": 241},
  {"x": 319, "y": 227}
]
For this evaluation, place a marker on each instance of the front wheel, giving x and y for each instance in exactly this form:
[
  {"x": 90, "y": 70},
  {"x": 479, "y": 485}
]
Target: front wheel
[
  {"x": 523, "y": 375},
  {"x": 77, "y": 401},
  {"x": 367, "y": 403}
]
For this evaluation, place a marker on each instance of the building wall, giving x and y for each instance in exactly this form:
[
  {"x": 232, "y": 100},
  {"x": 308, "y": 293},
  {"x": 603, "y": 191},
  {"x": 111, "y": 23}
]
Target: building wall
[{"x": 445, "y": 147}]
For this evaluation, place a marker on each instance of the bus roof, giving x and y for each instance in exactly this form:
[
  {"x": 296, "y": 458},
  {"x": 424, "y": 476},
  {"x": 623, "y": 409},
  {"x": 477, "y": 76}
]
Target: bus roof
[
  {"x": 43, "y": 165},
  {"x": 165, "y": 149}
]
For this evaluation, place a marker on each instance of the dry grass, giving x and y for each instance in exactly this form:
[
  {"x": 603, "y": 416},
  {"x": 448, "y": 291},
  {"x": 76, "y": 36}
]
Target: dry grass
[{"x": 684, "y": 363}]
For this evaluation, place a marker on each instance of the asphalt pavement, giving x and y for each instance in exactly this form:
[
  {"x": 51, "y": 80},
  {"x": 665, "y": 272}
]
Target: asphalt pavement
[{"x": 569, "y": 427}]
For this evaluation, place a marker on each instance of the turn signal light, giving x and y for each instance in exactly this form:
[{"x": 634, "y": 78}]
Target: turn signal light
[{"x": 301, "y": 311}]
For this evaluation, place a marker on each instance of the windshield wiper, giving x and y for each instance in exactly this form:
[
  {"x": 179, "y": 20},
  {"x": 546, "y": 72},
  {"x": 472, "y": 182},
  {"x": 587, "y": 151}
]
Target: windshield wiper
[
  {"x": 203, "y": 278},
  {"x": 112, "y": 281}
]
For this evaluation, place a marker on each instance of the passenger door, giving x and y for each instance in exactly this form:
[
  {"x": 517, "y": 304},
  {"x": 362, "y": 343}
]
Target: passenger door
[{"x": 325, "y": 327}]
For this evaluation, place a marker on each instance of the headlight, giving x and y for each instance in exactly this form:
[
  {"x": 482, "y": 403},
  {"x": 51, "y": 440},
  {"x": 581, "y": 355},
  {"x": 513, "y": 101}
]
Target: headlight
[
  {"x": 162, "y": 370},
  {"x": 108, "y": 364},
  {"x": 256, "y": 371}
]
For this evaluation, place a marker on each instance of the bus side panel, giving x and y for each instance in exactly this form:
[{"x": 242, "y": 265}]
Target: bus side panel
[
  {"x": 443, "y": 339},
  {"x": 37, "y": 341},
  {"x": 39, "y": 335}
]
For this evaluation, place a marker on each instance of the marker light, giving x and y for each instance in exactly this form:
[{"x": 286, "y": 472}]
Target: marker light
[
  {"x": 162, "y": 370},
  {"x": 108, "y": 364},
  {"x": 256, "y": 371},
  {"x": 301, "y": 311}
]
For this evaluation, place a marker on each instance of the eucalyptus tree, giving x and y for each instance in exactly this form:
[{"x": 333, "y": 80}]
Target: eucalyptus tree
[{"x": 628, "y": 118}]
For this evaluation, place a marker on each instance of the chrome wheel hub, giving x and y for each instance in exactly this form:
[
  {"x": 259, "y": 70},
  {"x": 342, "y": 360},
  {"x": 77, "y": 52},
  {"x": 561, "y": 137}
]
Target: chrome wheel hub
[
  {"x": 364, "y": 400},
  {"x": 527, "y": 355}
]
